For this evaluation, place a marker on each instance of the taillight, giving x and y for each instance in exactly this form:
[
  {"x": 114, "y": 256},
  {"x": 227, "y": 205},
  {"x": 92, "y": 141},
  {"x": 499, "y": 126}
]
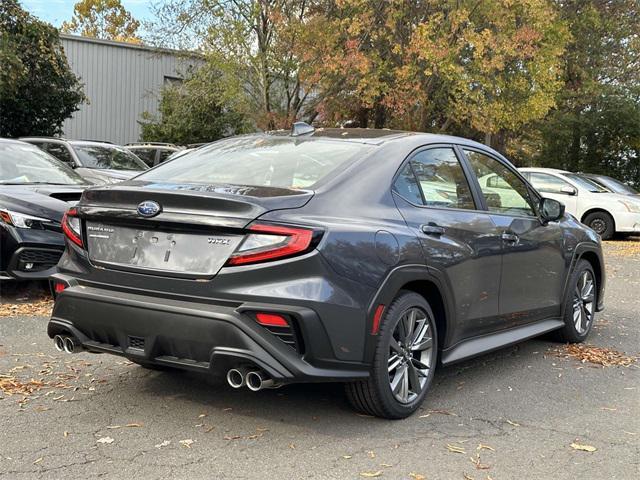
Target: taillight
[
  {"x": 271, "y": 242},
  {"x": 271, "y": 320},
  {"x": 71, "y": 226}
]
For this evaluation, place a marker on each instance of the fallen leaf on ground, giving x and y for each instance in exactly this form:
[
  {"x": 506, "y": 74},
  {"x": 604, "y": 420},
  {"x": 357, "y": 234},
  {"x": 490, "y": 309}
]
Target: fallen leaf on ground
[
  {"x": 479, "y": 465},
  {"x": 417, "y": 476},
  {"x": 485, "y": 447},
  {"x": 513, "y": 423},
  {"x": 584, "y": 448},
  {"x": 455, "y": 448},
  {"x": 371, "y": 474},
  {"x": 38, "y": 460},
  {"x": 133, "y": 425},
  {"x": 166, "y": 443},
  {"x": 386, "y": 465},
  {"x": 187, "y": 443},
  {"x": 443, "y": 412},
  {"x": 466, "y": 476},
  {"x": 12, "y": 386},
  {"x": 106, "y": 440},
  {"x": 41, "y": 307},
  {"x": 347, "y": 456},
  {"x": 606, "y": 357}
]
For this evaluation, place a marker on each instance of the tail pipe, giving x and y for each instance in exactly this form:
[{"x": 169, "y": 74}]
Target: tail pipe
[
  {"x": 66, "y": 344},
  {"x": 236, "y": 377},
  {"x": 257, "y": 380}
]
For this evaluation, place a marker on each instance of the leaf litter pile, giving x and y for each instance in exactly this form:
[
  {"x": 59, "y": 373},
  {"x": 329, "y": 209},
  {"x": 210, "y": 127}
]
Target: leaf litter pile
[
  {"x": 623, "y": 248},
  {"x": 585, "y": 353},
  {"x": 40, "y": 307}
]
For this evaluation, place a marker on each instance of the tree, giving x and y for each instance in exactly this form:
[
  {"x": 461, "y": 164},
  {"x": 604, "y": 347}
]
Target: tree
[
  {"x": 252, "y": 44},
  {"x": 38, "y": 90},
  {"x": 596, "y": 125},
  {"x": 478, "y": 67},
  {"x": 106, "y": 19},
  {"x": 192, "y": 112}
]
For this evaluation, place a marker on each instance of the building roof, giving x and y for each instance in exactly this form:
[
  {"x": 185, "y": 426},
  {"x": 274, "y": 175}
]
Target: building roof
[{"x": 135, "y": 46}]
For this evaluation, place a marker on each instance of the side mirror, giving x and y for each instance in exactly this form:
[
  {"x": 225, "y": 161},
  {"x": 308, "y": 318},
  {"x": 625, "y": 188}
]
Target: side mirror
[
  {"x": 569, "y": 190},
  {"x": 551, "y": 210}
]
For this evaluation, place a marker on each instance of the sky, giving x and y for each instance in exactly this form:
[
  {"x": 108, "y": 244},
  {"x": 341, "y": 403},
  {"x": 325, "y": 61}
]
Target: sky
[{"x": 57, "y": 11}]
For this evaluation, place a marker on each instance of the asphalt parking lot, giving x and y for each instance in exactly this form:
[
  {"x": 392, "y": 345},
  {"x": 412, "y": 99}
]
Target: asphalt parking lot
[{"x": 528, "y": 411}]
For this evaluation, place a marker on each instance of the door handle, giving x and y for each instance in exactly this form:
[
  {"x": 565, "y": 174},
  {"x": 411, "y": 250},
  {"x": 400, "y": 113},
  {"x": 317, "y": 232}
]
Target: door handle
[
  {"x": 432, "y": 229},
  {"x": 510, "y": 237}
]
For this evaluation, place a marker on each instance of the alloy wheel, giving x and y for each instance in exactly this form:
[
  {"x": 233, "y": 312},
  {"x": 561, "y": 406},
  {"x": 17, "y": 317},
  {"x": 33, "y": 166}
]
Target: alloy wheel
[
  {"x": 583, "y": 302},
  {"x": 410, "y": 354}
]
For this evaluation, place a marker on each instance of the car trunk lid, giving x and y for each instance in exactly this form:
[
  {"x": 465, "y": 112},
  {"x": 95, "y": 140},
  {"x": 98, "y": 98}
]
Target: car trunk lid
[{"x": 194, "y": 233}]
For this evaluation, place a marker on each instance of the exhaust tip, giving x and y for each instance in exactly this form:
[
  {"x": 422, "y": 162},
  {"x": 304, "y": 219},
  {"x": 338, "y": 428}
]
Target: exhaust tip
[
  {"x": 235, "y": 378},
  {"x": 58, "y": 342},
  {"x": 254, "y": 381},
  {"x": 69, "y": 345}
]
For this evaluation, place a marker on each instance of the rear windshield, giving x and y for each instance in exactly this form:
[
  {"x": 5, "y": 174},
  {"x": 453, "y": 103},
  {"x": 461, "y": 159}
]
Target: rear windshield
[
  {"x": 614, "y": 185},
  {"x": 113, "y": 158},
  {"x": 282, "y": 162}
]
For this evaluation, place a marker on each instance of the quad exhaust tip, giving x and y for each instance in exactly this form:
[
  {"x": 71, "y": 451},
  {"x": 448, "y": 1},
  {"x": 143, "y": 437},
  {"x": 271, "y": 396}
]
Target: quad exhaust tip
[
  {"x": 257, "y": 380},
  {"x": 66, "y": 344},
  {"x": 236, "y": 377}
]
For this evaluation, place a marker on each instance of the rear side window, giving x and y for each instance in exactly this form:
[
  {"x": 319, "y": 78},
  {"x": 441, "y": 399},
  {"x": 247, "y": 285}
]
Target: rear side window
[
  {"x": 407, "y": 186},
  {"x": 60, "y": 152},
  {"x": 266, "y": 161},
  {"x": 147, "y": 155},
  {"x": 440, "y": 178}
]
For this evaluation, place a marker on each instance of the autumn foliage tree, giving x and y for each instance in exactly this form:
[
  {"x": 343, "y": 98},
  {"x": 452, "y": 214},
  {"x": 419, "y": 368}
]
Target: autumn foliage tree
[
  {"x": 253, "y": 45},
  {"x": 459, "y": 65},
  {"x": 107, "y": 19},
  {"x": 38, "y": 90}
]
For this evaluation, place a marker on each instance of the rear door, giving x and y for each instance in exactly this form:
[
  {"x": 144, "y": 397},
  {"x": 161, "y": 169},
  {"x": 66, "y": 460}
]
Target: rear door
[
  {"x": 533, "y": 265},
  {"x": 461, "y": 244}
]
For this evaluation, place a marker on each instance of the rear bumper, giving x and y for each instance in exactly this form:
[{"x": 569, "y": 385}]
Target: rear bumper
[{"x": 210, "y": 337}]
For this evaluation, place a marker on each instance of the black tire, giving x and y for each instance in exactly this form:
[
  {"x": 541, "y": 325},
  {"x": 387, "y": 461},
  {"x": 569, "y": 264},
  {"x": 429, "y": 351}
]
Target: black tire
[
  {"x": 374, "y": 396},
  {"x": 570, "y": 333},
  {"x": 602, "y": 223}
]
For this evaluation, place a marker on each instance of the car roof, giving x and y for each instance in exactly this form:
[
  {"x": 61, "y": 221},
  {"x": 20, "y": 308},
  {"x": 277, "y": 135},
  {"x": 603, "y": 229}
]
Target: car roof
[
  {"x": 93, "y": 143},
  {"x": 543, "y": 170},
  {"x": 13, "y": 140},
  {"x": 376, "y": 136}
]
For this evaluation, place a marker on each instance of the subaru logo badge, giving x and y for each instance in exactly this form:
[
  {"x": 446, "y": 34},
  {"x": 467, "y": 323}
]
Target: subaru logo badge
[{"x": 149, "y": 208}]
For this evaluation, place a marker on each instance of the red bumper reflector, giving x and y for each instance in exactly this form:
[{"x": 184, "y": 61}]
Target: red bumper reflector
[
  {"x": 271, "y": 320},
  {"x": 59, "y": 287},
  {"x": 376, "y": 319}
]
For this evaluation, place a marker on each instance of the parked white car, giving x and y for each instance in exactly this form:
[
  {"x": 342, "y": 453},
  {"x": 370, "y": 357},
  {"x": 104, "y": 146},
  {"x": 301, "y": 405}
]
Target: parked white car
[{"x": 593, "y": 204}]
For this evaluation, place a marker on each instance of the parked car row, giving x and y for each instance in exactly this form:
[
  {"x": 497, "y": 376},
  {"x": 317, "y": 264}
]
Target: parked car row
[{"x": 353, "y": 255}]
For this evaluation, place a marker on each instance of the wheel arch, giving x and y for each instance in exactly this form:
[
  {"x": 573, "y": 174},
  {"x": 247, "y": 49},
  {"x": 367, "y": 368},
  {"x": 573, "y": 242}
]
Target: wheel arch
[
  {"x": 590, "y": 253},
  {"x": 597, "y": 210},
  {"x": 418, "y": 279}
]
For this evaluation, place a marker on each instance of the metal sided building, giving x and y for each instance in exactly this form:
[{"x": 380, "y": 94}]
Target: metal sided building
[{"x": 121, "y": 81}]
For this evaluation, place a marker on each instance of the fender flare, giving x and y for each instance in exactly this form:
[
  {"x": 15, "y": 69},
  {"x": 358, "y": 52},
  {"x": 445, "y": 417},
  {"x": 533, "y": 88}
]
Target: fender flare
[
  {"x": 578, "y": 253},
  {"x": 388, "y": 290}
]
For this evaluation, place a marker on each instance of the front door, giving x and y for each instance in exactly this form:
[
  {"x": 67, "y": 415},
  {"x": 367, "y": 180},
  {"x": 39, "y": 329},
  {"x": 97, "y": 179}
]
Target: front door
[
  {"x": 533, "y": 266},
  {"x": 553, "y": 187},
  {"x": 461, "y": 244}
]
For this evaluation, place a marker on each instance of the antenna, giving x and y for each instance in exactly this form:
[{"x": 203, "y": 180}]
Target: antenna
[{"x": 301, "y": 128}]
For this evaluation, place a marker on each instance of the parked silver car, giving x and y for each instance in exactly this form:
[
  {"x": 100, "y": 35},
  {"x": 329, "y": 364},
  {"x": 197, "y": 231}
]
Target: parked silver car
[{"x": 97, "y": 162}]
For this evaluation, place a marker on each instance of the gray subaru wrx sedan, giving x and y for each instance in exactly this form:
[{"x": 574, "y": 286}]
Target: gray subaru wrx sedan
[{"x": 351, "y": 255}]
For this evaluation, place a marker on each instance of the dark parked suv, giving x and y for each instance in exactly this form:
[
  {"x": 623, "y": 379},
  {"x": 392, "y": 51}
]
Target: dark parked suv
[{"x": 359, "y": 256}]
